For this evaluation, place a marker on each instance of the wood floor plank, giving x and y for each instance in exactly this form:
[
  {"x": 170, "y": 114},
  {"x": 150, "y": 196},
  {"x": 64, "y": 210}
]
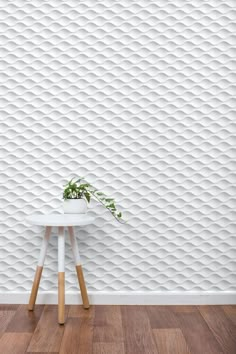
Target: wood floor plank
[
  {"x": 138, "y": 336},
  {"x": 24, "y": 320},
  {"x": 5, "y": 319},
  {"x": 79, "y": 311},
  {"x": 48, "y": 333},
  {"x": 108, "y": 348},
  {"x": 78, "y": 336},
  {"x": 108, "y": 324},
  {"x": 14, "y": 343},
  {"x": 8, "y": 307},
  {"x": 230, "y": 311},
  {"x": 162, "y": 317},
  {"x": 183, "y": 308},
  {"x": 222, "y": 327},
  {"x": 170, "y": 341},
  {"x": 198, "y": 336}
]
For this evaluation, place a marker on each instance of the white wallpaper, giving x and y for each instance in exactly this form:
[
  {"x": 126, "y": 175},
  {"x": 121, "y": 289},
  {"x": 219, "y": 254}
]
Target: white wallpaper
[{"x": 139, "y": 97}]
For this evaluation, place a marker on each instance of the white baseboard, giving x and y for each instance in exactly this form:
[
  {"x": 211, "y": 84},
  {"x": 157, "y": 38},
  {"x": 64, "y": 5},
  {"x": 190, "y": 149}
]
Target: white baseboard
[{"x": 127, "y": 298}]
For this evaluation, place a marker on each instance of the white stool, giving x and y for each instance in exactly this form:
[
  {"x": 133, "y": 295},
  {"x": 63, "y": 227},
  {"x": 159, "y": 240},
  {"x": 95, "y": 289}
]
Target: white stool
[{"x": 61, "y": 221}]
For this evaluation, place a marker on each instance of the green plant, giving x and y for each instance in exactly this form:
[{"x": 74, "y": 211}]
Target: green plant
[{"x": 81, "y": 189}]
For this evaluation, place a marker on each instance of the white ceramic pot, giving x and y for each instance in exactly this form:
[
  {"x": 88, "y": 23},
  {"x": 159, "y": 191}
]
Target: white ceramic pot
[{"x": 75, "y": 206}]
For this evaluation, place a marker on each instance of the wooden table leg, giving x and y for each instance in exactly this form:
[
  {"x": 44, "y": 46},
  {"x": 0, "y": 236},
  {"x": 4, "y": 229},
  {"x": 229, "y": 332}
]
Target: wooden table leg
[
  {"x": 78, "y": 267},
  {"x": 39, "y": 268},
  {"x": 61, "y": 275}
]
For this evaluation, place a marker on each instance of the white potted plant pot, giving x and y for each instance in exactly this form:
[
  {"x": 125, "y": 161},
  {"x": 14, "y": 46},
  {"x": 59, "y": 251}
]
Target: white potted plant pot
[{"x": 75, "y": 206}]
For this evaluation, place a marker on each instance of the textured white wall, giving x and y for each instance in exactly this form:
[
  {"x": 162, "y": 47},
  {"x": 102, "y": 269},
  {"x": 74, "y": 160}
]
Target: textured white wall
[{"x": 139, "y": 97}]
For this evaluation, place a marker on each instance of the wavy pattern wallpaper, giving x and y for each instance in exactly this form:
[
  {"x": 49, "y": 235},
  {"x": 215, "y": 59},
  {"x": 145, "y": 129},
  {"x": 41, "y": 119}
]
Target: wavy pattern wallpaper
[{"x": 139, "y": 97}]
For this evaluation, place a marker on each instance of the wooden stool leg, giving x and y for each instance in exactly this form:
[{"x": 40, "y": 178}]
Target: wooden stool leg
[
  {"x": 39, "y": 268},
  {"x": 78, "y": 267},
  {"x": 61, "y": 276},
  {"x": 82, "y": 286}
]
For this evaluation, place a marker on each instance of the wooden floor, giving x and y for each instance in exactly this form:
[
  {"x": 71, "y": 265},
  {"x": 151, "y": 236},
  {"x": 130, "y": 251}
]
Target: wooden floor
[{"x": 119, "y": 330}]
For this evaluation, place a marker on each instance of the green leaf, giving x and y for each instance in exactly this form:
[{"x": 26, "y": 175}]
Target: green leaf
[
  {"x": 87, "y": 196},
  {"x": 112, "y": 206},
  {"x": 84, "y": 185},
  {"x": 69, "y": 183}
]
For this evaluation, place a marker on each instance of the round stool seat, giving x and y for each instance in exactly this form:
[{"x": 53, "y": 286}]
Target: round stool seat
[{"x": 60, "y": 219}]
